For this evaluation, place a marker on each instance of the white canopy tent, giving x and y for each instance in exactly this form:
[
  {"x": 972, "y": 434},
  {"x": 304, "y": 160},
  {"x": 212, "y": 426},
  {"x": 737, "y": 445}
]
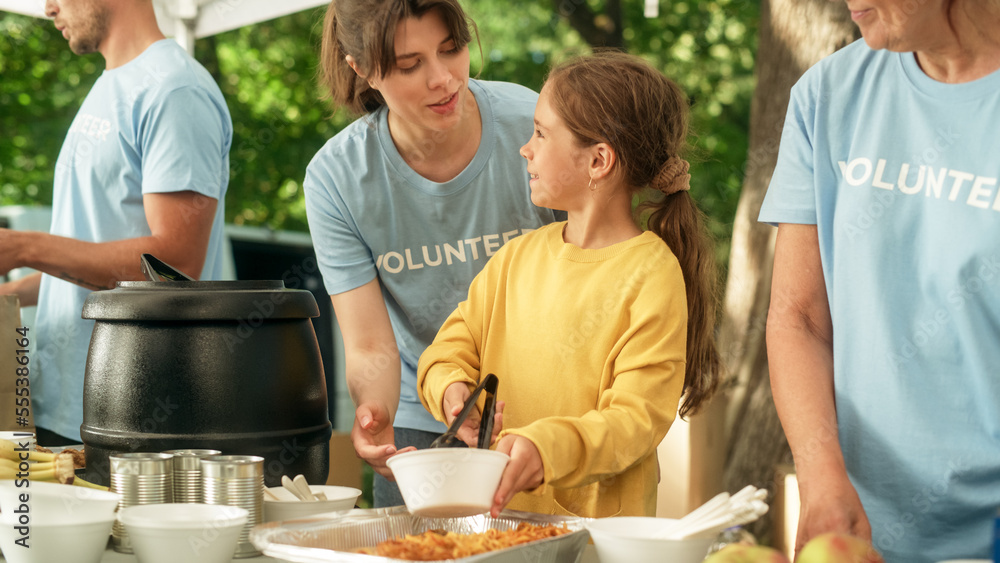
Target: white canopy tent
[{"x": 187, "y": 20}]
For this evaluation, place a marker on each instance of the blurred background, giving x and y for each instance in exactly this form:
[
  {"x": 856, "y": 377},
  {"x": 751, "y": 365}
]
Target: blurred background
[{"x": 267, "y": 73}]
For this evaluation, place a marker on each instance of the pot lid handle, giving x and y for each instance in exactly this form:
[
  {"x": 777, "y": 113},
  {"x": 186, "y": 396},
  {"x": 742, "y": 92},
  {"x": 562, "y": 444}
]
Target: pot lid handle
[{"x": 157, "y": 270}]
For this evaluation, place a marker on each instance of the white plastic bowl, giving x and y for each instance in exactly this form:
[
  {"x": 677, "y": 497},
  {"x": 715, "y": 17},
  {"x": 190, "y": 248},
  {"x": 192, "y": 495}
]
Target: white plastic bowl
[
  {"x": 50, "y": 504},
  {"x": 287, "y": 507},
  {"x": 448, "y": 482},
  {"x": 631, "y": 539},
  {"x": 193, "y": 533},
  {"x": 79, "y": 543}
]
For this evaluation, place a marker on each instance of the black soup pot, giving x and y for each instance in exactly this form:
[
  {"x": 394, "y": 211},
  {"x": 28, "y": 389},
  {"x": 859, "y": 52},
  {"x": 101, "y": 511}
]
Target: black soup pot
[{"x": 226, "y": 365}]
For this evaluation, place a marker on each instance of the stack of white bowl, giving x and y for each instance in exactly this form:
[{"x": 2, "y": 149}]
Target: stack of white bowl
[{"x": 44, "y": 522}]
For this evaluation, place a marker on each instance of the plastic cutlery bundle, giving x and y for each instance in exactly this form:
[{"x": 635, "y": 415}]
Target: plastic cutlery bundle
[{"x": 721, "y": 512}]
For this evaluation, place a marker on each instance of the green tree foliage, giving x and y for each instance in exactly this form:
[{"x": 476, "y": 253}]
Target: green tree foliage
[
  {"x": 267, "y": 73},
  {"x": 42, "y": 85}
]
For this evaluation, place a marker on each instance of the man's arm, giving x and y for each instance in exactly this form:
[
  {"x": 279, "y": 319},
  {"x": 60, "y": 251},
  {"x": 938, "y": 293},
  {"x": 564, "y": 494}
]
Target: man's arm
[
  {"x": 180, "y": 225},
  {"x": 372, "y": 363},
  {"x": 26, "y": 289},
  {"x": 800, "y": 358}
]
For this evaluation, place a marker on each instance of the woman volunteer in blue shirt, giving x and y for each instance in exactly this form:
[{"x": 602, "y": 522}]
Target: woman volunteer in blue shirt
[{"x": 407, "y": 203}]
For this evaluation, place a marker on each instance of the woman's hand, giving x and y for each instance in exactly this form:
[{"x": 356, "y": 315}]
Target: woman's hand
[
  {"x": 523, "y": 472},
  {"x": 372, "y": 436},
  {"x": 454, "y": 399},
  {"x": 831, "y": 506}
]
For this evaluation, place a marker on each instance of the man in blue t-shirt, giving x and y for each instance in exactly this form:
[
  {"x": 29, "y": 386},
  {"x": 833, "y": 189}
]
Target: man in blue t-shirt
[{"x": 144, "y": 169}]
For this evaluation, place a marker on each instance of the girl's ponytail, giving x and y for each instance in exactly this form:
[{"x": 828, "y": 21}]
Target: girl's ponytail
[{"x": 677, "y": 220}]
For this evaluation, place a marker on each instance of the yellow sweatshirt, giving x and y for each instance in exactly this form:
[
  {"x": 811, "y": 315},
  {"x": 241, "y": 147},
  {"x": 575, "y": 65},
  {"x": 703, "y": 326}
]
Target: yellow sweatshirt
[{"x": 589, "y": 347}]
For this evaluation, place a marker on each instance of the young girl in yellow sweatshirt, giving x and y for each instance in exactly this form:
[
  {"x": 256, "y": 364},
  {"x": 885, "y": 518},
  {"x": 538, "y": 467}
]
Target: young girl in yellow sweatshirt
[{"x": 595, "y": 327}]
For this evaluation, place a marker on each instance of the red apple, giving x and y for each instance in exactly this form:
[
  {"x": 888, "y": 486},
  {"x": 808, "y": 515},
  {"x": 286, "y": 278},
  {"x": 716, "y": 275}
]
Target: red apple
[
  {"x": 838, "y": 548},
  {"x": 741, "y": 553}
]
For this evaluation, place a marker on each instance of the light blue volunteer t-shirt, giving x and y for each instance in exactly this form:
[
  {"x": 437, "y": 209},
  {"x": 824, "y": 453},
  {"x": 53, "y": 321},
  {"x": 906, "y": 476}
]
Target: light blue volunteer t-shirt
[
  {"x": 370, "y": 215},
  {"x": 156, "y": 124},
  {"x": 900, "y": 175}
]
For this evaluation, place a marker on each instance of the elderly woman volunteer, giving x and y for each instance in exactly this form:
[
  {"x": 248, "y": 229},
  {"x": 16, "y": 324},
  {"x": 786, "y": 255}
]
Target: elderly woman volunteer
[{"x": 885, "y": 322}]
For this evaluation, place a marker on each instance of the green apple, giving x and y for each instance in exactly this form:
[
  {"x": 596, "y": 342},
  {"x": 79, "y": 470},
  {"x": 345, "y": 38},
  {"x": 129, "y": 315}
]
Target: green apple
[
  {"x": 741, "y": 553},
  {"x": 838, "y": 548}
]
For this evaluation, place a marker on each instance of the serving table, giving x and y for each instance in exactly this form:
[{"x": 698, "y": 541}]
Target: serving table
[{"x": 112, "y": 556}]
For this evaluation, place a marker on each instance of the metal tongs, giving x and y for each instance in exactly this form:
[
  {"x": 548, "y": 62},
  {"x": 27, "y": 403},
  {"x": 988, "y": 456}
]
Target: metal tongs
[
  {"x": 157, "y": 270},
  {"x": 450, "y": 437}
]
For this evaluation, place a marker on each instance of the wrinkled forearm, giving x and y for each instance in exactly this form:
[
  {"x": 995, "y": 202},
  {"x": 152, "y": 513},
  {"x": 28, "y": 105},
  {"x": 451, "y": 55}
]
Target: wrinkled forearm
[
  {"x": 800, "y": 355},
  {"x": 801, "y": 369}
]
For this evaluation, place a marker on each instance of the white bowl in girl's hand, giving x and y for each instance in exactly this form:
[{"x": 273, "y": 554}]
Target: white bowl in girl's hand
[{"x": 448, "y": 482}]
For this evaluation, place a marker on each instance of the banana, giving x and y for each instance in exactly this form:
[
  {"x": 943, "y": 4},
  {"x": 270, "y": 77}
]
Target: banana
[
  {"x": 11, "y": 451},
  {"x": 19, "y": 463}
]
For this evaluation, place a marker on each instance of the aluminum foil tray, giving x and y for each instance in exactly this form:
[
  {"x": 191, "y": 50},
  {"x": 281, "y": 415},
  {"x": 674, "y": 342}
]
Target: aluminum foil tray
[{"x": 333, "y": 537}]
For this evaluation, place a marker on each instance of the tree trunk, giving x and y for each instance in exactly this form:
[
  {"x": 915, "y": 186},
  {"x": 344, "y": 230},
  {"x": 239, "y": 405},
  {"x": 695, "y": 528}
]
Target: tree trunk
[{"x": 793, "y": 35}]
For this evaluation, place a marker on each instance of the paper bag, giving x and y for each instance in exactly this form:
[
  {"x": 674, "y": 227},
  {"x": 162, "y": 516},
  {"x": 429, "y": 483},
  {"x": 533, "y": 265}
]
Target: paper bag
[{"x": 15, "y": 368}]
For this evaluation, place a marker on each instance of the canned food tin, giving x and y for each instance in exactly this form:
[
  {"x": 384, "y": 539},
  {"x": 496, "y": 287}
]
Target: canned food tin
[
  {"x": 236, "y": 480},
  {"x": 140, "y": 478},
  {"x": 187, "y": 474}
]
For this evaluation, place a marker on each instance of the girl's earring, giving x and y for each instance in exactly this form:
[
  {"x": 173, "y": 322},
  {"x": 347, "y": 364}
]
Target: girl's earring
[{"x": 592, "y": 185}]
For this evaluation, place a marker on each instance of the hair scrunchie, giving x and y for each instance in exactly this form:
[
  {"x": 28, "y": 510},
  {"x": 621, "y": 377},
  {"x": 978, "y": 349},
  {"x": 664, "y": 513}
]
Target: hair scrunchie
[{"x": 673, "y": 176}]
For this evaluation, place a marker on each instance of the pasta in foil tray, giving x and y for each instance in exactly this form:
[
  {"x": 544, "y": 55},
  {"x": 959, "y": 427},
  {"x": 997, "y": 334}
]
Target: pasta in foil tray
[
  {"x": 437, "y": 545},
  {"x": 393, "y": 534}
]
